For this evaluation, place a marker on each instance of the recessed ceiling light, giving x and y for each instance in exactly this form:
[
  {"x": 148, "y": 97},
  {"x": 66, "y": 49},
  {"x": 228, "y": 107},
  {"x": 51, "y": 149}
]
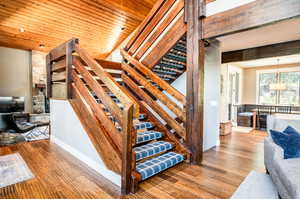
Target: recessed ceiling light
[
  {"x": 42, "y": 45},
  {"x": 22, "y": 30}
]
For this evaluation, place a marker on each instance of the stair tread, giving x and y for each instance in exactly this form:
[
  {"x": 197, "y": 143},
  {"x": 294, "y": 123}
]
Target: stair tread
[
  {"x": 156, "y": 165},
  {"x": 152, "y": 149},
  {"x": 144, "y": 125},
  {"x": 147, "y": 136}
]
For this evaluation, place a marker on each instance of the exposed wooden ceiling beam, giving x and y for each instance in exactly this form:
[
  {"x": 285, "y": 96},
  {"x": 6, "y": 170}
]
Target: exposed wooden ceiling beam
[
  {"x": 274, "y": 50},
  {"x": 249, "y": 16}
]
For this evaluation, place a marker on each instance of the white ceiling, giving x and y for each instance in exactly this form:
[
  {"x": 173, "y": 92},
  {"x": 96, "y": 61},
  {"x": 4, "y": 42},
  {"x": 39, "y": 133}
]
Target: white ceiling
[
  {"x": 276, "y": 33},
  {"x": 291, "y": 59}
]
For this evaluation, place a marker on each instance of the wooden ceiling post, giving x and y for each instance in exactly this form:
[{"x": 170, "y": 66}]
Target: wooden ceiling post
[{"x": 195, "y": 12}]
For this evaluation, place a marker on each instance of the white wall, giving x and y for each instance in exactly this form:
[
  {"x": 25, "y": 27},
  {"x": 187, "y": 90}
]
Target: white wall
[
  {"x": 67, "y": 132},
  {"x": 15, "y": 74},
  {"x": 211, "y": 94},
  {"x": 221, "y": 6}
]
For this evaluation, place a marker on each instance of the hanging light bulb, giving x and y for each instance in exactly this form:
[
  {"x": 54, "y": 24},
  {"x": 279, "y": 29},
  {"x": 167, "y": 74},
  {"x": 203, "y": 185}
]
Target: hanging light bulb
[{"x": 278, "y": 86}]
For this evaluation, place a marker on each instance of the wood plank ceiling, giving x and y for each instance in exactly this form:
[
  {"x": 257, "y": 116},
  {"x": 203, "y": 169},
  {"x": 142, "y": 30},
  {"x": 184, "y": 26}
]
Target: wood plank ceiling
[{"x": 101, "y": 25}]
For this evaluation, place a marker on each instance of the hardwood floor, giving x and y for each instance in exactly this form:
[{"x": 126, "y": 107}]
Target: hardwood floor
[{"x": 60, "y": 176}]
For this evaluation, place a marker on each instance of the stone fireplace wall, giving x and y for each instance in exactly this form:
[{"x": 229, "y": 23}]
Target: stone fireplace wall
[{"x": 39, "y": 78}]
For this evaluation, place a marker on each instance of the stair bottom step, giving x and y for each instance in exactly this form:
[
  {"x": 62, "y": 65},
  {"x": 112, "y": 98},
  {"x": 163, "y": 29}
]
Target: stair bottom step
[{"x": 158, "y": 164}]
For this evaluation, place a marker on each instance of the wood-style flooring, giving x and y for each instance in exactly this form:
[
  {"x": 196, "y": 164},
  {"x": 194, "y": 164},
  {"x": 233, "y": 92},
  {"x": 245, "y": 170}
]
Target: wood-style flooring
[{"x": 60, "y": 176}]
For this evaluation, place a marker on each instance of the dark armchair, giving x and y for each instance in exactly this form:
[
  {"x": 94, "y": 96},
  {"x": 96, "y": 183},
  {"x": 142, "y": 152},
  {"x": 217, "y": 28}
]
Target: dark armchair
[{"x": 19, "y": 123}]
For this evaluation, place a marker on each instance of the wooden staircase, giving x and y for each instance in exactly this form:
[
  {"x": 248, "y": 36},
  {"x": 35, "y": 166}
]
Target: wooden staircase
[
  {"x": 139, "y": 124},
  {"x": 133, "y": 116}
]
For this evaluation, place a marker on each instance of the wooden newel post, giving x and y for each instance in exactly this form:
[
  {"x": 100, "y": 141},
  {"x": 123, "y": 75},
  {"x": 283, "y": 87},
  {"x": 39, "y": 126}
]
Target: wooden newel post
[
  {"x": 70, "y": 48},
  {"x": 127, "y": 130},
  {"x": 194, "y": 15}
]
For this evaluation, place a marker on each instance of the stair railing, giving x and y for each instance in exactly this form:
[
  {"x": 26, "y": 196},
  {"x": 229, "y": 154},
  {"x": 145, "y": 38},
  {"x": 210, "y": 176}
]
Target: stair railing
[
  {"x": 158, "y": 33},
  {"x": 151, "y": 89},
  {"x": 87, "y": 80}
]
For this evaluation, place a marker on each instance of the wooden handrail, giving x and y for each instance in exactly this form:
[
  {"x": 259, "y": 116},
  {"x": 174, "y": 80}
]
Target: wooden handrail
[
  {"x": 59, "y": 67},
  {"x": 97, "y": 109},
  {"x": 178, "y": 6},
  {"x": 148, "y": 18},
  {"x": 153, "y": 23},
  {"x": 155, "y": 92},
  {"x": 100, "y": 92},
  {"x": 157, "y": 108},
  {"x": 163, "y": 84},
  {"x": 60, "y": 50},
  {"x": 124, "y": 115},
  {"x": 107, "y": 79}
]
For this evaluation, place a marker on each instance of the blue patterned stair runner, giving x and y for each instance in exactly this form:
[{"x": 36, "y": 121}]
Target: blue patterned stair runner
[
  {"x": 155, "y": 165},
  {"x": 151, "y": 149},
  {"x": 147, "y": 136},
  {"x": 173, "y": 64},
  {"x": 144, "y": 125}
]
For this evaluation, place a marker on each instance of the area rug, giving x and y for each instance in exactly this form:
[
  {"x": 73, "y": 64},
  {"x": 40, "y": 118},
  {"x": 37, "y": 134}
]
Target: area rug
[
  {"x": 256, "y": 186},
  {"x": 13, "y": 169},
  {"x": 38, "y": 133}
]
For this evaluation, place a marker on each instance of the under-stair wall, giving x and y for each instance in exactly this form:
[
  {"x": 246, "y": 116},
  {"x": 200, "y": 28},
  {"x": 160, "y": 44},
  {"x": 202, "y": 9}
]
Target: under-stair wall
[{"x": 69, "y": 132}]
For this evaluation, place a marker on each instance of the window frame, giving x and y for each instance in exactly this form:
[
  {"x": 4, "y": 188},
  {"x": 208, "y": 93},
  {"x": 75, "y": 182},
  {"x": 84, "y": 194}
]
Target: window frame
[{"x": 278, "y": 71}]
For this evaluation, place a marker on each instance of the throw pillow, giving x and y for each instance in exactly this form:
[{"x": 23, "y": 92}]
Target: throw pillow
[
  {"x": 293, "y": 147},
  {"x": 291, "y": 131},
  {"x": 281, "y": 139}
]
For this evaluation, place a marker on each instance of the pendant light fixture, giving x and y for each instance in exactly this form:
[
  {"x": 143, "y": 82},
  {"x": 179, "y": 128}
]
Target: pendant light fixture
[{"x": 278, "y": 86}]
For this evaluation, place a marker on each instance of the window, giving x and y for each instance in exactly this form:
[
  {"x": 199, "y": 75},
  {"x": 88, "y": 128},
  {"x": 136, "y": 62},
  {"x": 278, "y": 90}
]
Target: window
[
  {"x": 290, "y": 95},
  {"x": 266, "y": 95}
]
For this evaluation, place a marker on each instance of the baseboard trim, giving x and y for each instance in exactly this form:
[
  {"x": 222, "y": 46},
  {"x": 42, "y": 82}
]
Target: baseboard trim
[{"x": 108, "y": 174}]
